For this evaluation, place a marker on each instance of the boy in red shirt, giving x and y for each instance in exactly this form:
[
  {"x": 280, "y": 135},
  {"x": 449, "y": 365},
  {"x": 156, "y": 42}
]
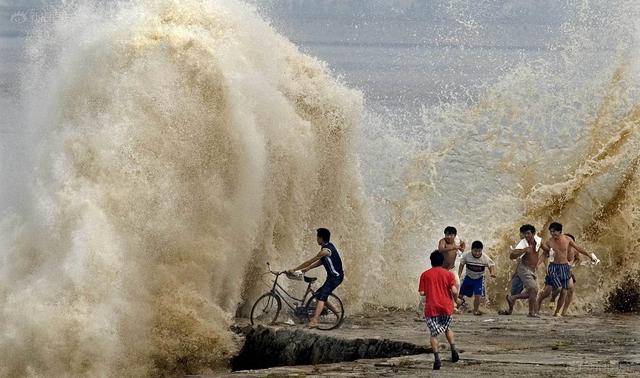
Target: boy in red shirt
[{"x": 438, "y": 286}]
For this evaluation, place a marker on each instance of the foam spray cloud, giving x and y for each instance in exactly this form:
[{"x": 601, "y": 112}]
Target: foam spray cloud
[
  {"x": 554, "y": 139},
  {"x": 183, "y": 145}
]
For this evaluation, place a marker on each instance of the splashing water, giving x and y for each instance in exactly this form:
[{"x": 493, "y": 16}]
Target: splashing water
[
  {"x": 550, "y": 141},
  {"x": 184, "y": 144}
]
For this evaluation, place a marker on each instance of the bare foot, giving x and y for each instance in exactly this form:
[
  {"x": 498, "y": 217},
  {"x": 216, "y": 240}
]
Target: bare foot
[
  {"x": 312, "y": 325},
  {"x": 533, "y": 315},
  {"x": 557, "y": 315},
  {"x": 478, "y": 313}
]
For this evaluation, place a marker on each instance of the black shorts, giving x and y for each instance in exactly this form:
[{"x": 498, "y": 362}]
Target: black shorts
[{"x": 328, "y": 287}]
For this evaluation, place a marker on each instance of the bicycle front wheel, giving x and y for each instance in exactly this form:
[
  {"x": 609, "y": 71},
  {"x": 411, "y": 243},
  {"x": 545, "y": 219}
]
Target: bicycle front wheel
[
  {"x": 332, "y": 314},
  {"x": 266, "y": 309}
]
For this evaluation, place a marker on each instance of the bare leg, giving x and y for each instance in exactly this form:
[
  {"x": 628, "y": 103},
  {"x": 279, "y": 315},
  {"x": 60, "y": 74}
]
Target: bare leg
[
  {"x": 331, "y": 307},
  {"x": 561, "y": 297},
  {"x": 523, "y": 295},
  {"x": 533, "y": 294},
  {"x": 434, "y": 344},
  {"x": 567, "y": 301},
  {"x": 449, "y": 334},
  {"x": 544, "y": 294},
  {"x": 455, "y": 357},
  {"x": 313, "y": 322},
  {"x": 476, "y": 305},
  {"x": 511, "y": 300},
  {"x": 554, "y": 295},
  {"x": 436, "y": 355}
]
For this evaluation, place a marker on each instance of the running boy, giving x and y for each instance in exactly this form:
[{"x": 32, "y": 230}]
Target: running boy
[
  {"x": 473, "y": 282},
  {"x": 438, "y": 287},
  {"x": 449, "y": 247}
]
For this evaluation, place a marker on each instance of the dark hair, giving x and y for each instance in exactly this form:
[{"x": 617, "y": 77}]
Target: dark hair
[
  {"x": 450, "y": 230},
  {"x": 477, "y": 245},
  {"x": 555, "y": 226},
  {"x": 437, "y": 258},
  {"x": 571, "y": 236},
  {"x": 527, "y": 227},
  {"x": 324, "y": 234}
]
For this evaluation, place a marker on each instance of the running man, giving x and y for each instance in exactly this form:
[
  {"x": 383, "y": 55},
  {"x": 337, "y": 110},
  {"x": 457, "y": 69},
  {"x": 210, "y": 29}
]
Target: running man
[
  {"x": 559, "y": 271},
  {"x": 330, "y": 259},
  {"x": 527, "y": 253},
  {"x": 574, "y": 260}
]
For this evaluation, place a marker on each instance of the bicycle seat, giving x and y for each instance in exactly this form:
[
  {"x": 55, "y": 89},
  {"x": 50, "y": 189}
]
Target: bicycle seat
[{"x": 310, "y": 279}]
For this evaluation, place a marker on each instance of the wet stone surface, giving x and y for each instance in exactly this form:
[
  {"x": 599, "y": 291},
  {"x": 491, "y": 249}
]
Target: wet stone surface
[{"x": 489, "y": 345}]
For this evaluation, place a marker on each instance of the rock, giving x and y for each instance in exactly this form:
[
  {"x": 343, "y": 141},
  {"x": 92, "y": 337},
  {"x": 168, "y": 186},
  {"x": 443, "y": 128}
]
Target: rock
[{"x": 267, "y": 347}]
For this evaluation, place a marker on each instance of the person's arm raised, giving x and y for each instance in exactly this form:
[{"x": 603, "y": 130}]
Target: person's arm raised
[
  {"x": 518, "y": 252},
  {"x": 580, "y": 250}
]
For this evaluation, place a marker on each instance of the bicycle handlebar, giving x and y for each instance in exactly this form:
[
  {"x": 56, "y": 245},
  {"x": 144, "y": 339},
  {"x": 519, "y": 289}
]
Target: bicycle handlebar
[{"x": 276, "y": 273}]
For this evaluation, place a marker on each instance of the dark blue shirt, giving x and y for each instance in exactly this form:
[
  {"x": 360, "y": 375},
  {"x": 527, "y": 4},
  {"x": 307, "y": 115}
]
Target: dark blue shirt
[{"x": 332, "y": 263}]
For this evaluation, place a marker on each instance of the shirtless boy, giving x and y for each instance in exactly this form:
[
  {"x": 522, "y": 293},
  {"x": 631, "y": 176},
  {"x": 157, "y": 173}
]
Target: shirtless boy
[
  {"x": 449, "y": 247},
  {"x": 559, "y": 271},
  {"x": 525, "y": 276}
]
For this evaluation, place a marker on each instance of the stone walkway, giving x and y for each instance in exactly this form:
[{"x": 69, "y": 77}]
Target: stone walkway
[{"x": 490, "y": 345}]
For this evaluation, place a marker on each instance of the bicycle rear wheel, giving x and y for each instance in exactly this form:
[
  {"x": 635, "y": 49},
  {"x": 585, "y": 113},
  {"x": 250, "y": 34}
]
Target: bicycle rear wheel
[
  {"x": 332, "y": 314},
  {"x": 266, "y": 309}
]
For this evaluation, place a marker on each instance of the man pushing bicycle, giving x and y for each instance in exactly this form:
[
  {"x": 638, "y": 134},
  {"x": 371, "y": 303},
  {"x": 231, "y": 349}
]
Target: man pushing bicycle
[{"x": 330, "y": 259}]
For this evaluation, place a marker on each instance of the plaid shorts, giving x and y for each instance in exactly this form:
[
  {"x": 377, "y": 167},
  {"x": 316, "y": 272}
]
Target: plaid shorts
[
  {"x": 438, "y": 324},
  {"x": 558, "y": 276}
]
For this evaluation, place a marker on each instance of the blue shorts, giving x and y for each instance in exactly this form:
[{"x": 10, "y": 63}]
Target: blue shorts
[
  {"x": 558, "y": 275},
  {"x": 328, "y": 287},
  {"x": 471, "y": 287}
]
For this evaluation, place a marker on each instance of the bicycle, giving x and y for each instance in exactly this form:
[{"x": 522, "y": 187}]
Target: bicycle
[{"x": 267, "y": 307}]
